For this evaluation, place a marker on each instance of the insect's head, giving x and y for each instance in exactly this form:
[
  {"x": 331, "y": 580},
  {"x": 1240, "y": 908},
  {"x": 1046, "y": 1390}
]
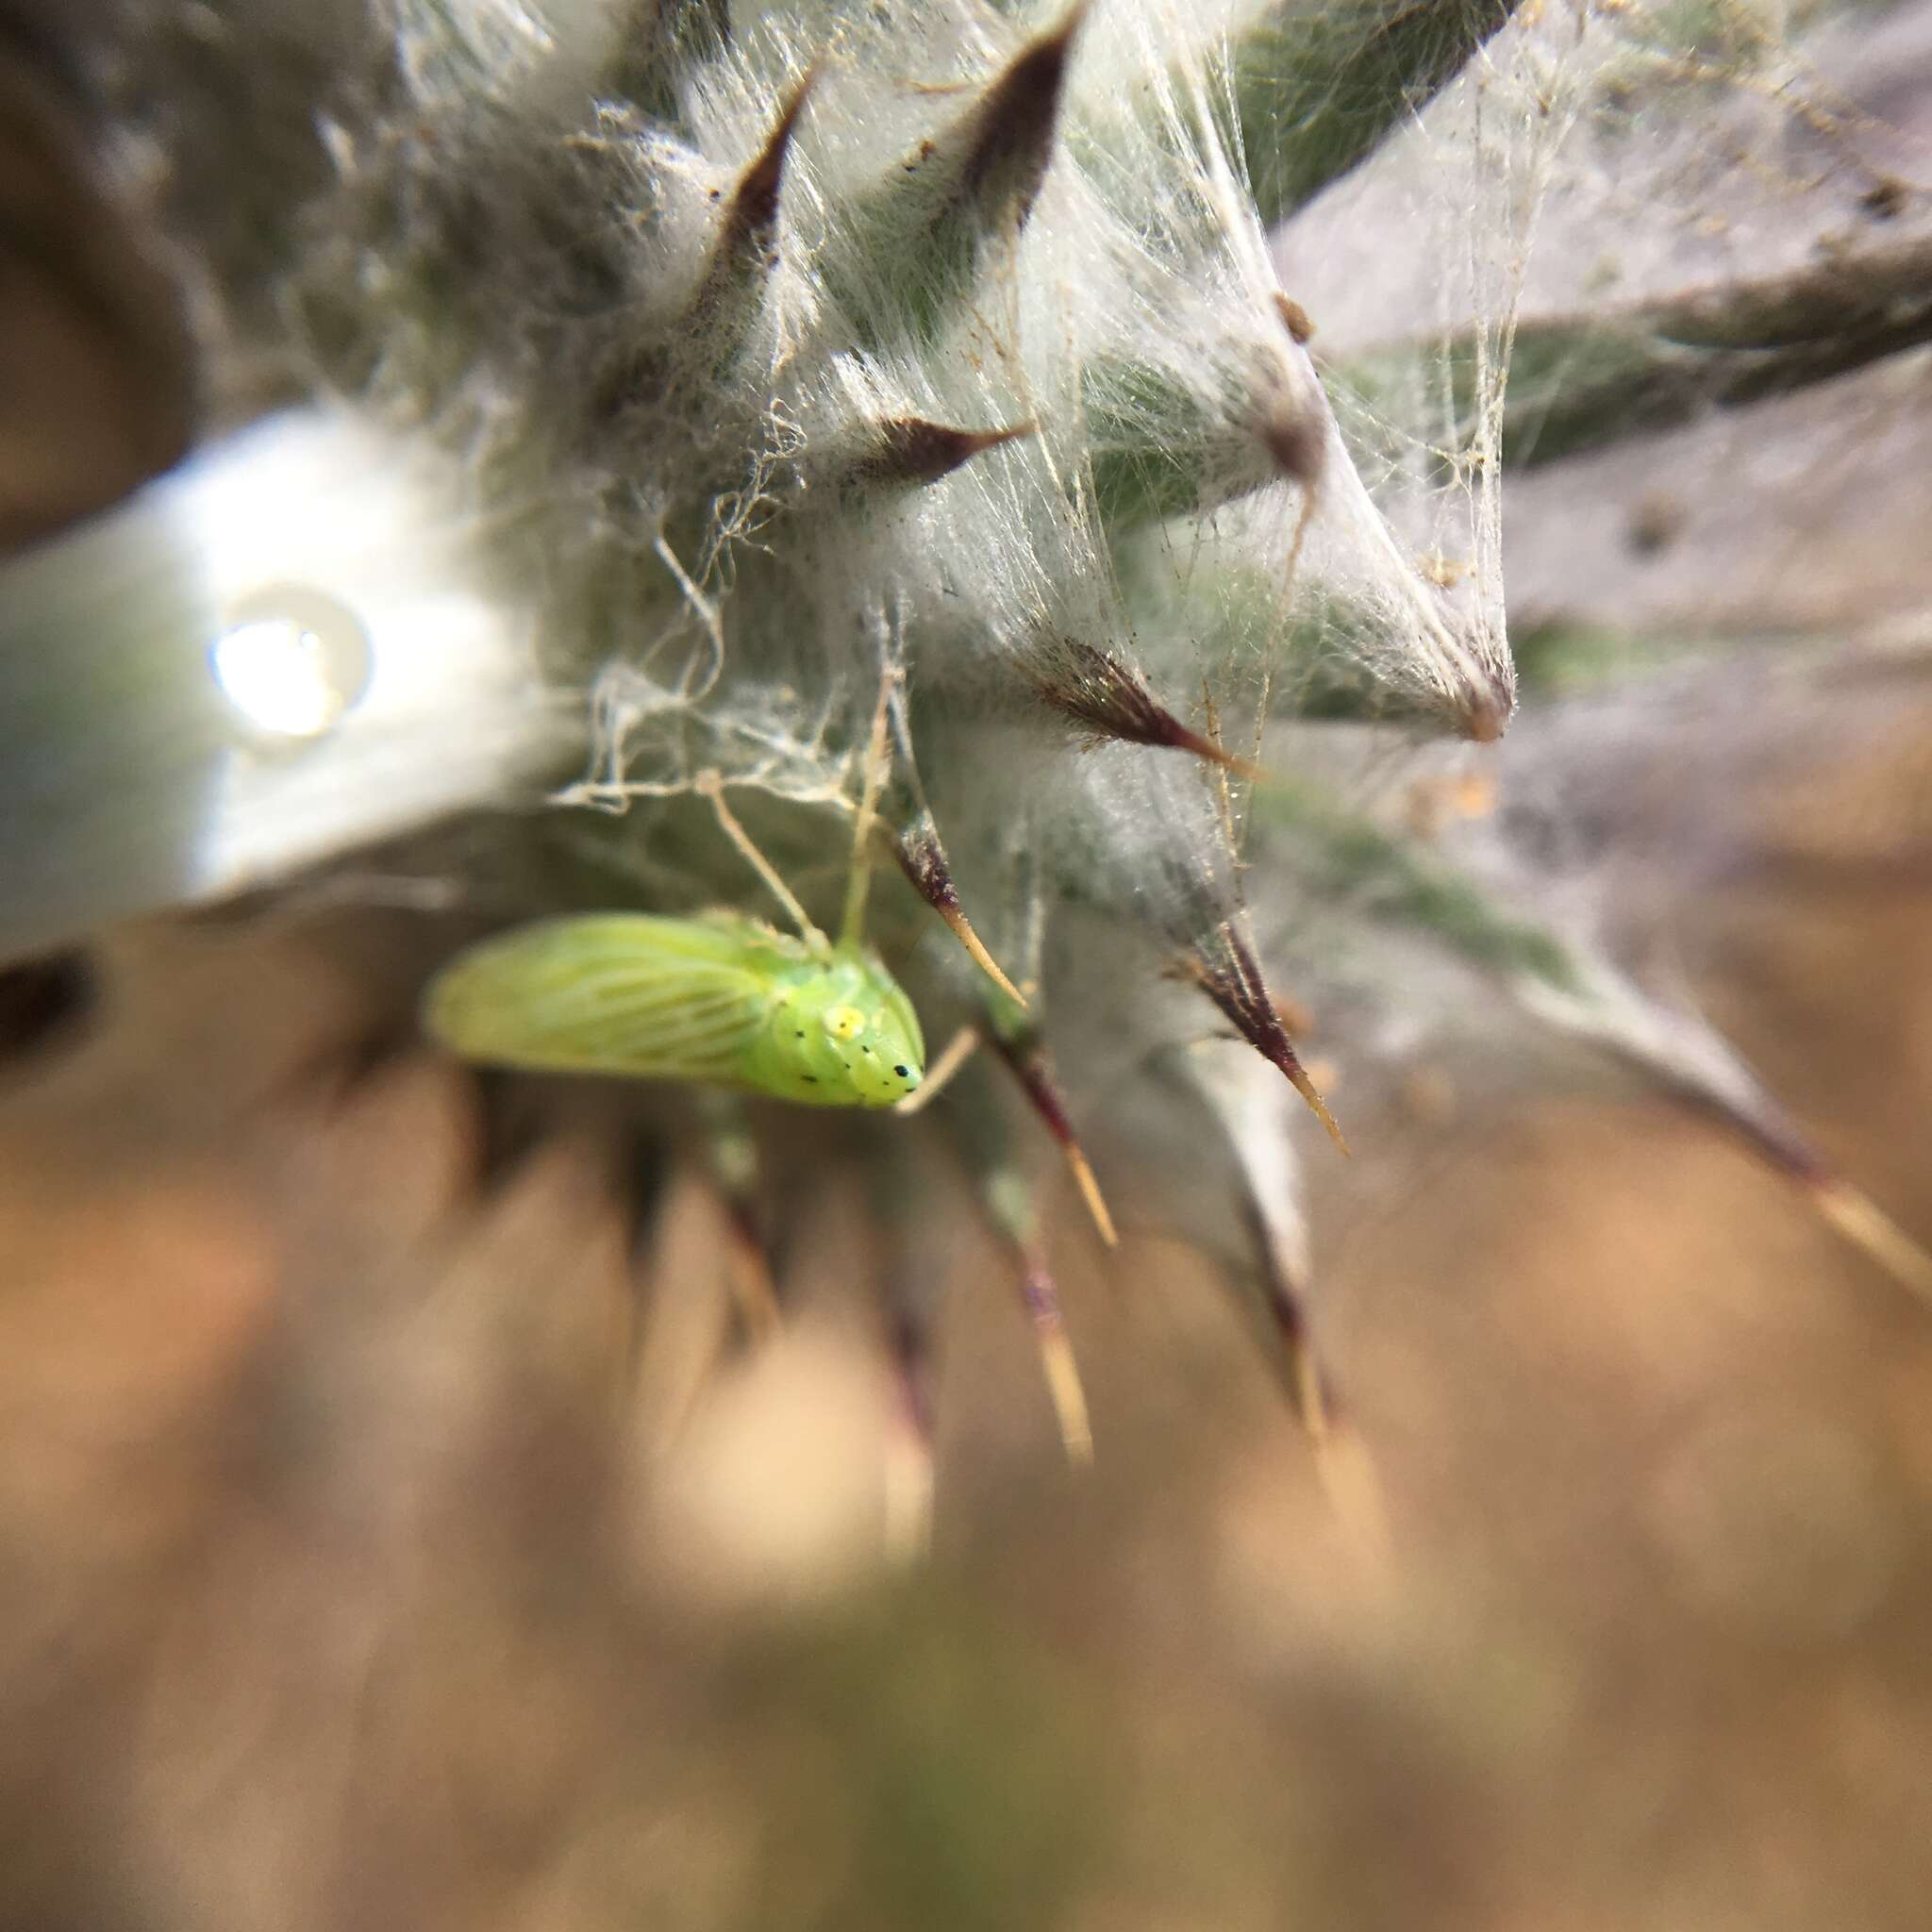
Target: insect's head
[{"x": 862, "y": 1037}]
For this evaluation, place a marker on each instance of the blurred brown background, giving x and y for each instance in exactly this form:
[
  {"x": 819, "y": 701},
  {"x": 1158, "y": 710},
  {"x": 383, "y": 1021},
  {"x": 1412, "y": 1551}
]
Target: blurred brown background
[{"x": 396, "y": 1534}]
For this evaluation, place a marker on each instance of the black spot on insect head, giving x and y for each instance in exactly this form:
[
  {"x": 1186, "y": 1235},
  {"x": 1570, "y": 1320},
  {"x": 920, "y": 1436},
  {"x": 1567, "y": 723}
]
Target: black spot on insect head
[{"x": 902, "y": 1073}]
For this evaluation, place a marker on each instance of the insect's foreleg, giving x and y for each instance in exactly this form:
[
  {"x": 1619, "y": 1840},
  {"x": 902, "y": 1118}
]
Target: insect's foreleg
[
  {"x": 710, "y": 785},
  {"x": 958, "y": 1050}
]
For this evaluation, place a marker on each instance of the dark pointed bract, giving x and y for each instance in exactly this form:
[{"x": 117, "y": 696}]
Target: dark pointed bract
[
  {"x": 1111, "y": 701},
  {"x": 746, "y": 250},
  {"x": 1224, "y": 968},
  {"x": 911, "y": 450},
  {"x": 922, "y": 859},
  {"x": 921, "y": 232},
  {"x": 1011, "y": 131}
]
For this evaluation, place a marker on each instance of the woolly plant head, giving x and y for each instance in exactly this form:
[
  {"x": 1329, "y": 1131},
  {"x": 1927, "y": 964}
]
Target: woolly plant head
[{"x": 913, "y": 425}]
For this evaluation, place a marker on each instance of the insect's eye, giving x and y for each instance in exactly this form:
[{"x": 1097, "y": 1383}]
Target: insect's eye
[{"x": 844, "y": 1023}]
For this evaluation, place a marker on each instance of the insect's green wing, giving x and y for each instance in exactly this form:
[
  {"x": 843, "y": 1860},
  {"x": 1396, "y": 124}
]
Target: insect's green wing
[{"x": 613, "y": 992}]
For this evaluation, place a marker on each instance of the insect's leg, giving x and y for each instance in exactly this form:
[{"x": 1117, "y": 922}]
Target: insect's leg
[
  {"x": 877, "y": 758},
  {"x": 958, "y": 1050},
  {"x": 710, "y": 785}
]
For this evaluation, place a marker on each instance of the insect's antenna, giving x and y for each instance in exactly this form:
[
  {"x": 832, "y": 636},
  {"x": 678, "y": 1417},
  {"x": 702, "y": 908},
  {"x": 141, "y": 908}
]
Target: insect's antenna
[
  {"x": 710, "y": 785},
  {"x": 858, "y": 882}
]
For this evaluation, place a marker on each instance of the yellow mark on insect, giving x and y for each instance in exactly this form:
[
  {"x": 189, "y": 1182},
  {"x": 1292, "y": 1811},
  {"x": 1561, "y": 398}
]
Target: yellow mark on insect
[{"x": 844, "y": 1023}]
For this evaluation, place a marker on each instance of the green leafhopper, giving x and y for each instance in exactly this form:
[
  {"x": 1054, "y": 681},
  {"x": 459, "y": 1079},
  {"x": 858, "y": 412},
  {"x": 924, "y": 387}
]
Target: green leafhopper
[{"x": 724, "y": 1000}]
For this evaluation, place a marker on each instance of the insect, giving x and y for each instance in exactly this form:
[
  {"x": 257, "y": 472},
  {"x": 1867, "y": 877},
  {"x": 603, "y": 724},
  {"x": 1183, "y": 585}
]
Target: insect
[{"x": 722, "y": 999}]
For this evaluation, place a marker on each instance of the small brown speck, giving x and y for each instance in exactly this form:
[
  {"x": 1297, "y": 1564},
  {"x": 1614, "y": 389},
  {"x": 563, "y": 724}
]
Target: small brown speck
[
  {"x": 1886, "y": 199},
  {"x": 1295, "y": 318},
  {"x": 1656, "y": 521}
]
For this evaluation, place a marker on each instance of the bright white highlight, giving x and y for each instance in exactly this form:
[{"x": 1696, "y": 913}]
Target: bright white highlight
[
  {"x": 276, "y": 674},
  {"x": 354, "y": 631}
]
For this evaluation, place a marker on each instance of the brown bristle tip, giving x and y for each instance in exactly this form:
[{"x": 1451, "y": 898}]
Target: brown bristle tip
[
  {"x": 1095, "y": 1201},
  {"x": 1313, "y": 1406},
  {"x": 961, "y": 929},
  {"x": 922, "y": 859},
  {"x": 911, "y": 449},
  {"x": 1069, "y": 1398},
  {"x": 1183, "y": 739},
  {"x": 1310, "y": 1093},
  {"x": 1237, "y": 987},
  {"x": 753, "y": 1292}
]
